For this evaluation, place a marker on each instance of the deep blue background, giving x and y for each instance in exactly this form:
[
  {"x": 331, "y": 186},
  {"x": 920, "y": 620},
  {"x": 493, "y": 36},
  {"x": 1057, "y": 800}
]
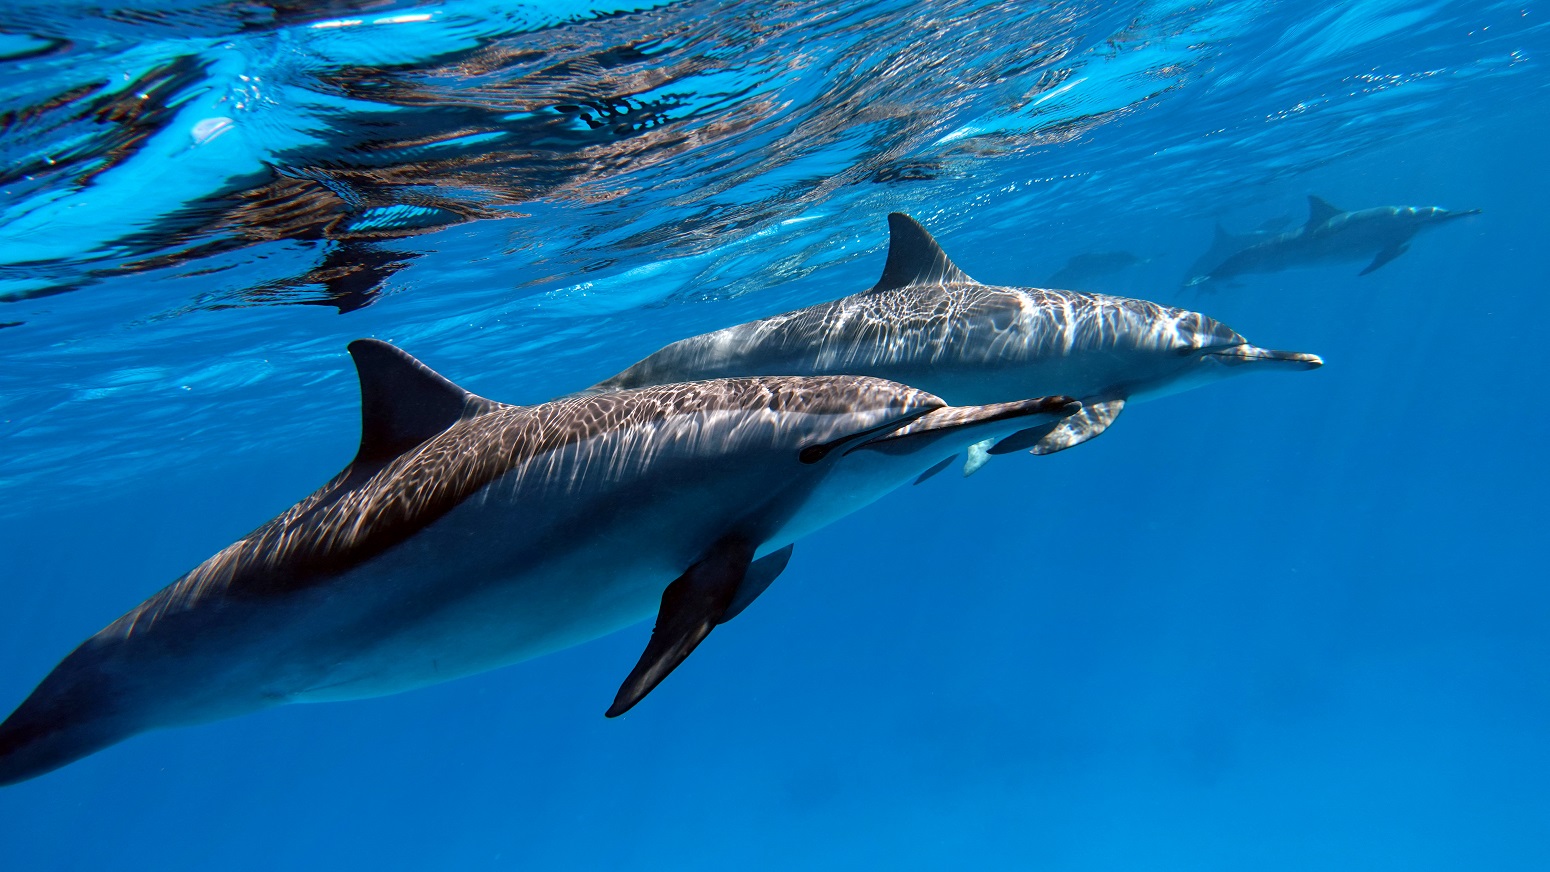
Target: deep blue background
[{"x": 1288, "y": 622}]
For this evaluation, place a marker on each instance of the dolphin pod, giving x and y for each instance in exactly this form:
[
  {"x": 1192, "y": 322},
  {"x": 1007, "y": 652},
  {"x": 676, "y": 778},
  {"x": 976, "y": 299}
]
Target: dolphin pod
[
  {"x": 926, "y": 323},
  {"x": 1331, "y": 235},
  {"x": 467, "y": 534}
]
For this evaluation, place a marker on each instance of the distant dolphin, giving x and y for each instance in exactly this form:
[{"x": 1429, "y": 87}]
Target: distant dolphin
[
  {"x": 927, "y": 323},
  {"x": 1225, "y": 244},
  {"x": 468, "y": 534},
  {"x": 1081, "y": 270},
  {"x": 1333, "y": 235}
]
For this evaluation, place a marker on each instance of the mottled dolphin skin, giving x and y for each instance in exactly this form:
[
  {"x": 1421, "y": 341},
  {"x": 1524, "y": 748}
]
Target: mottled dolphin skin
[
  {"x": 1333, "y": 235},
  {"x": 926, "y": 323},
  {"x": 467, "y": 534}
]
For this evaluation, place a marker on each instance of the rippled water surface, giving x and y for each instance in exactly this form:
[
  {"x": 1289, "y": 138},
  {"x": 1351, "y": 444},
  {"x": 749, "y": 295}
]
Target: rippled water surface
[{"x": 1279, "y": 624}]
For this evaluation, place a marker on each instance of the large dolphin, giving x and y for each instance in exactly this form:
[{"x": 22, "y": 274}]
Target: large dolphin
[
  {"x": 1333, "y": 235},
  {"x": 926, "y": 323},
  {"x": 467, "y": 534}
]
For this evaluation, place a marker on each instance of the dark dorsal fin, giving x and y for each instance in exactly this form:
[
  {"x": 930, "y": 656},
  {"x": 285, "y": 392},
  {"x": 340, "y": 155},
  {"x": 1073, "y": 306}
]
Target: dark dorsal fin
[
  {"x": 1320, "y": 210},
  {"x": 403, "y": 401},
  {"x": 914, "y": 258}
]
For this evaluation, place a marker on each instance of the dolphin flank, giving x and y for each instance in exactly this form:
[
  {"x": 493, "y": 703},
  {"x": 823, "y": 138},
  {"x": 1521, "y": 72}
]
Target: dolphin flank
[
  {"x": 927, "y": 323},
  {"x": 467, "y": 534},
  {"x": 1331, "y": 235}
]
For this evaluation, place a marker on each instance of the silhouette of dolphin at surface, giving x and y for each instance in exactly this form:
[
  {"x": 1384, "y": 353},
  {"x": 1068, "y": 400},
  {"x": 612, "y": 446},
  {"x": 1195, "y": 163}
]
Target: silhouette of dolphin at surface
[
  {"x": 926, "y": 322},
  {"x": 1334, "y": 236},
  {"x": 1081, "y": 270},
  {"x": 468, "y": 534}
]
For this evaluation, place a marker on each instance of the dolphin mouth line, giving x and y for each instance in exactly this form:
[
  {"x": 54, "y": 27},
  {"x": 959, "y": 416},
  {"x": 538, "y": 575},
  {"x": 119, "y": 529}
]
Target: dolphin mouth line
[{"x": 1241, "y": 354}]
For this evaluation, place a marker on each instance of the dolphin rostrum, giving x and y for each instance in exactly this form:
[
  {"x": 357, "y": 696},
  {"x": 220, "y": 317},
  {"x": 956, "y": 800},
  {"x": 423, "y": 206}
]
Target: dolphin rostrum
[
  {"x": 926, "y": 323},
  {"x": 1332, "y": 235},
  {"x": 468, "y": 534}
]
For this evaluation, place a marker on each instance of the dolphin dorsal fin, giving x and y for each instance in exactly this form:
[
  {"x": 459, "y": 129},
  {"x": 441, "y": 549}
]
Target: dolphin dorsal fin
[
  {"x": 403, "y": 401},
  {"x": 914, "y": 258},
  {"x": 1320, "y": 210}
]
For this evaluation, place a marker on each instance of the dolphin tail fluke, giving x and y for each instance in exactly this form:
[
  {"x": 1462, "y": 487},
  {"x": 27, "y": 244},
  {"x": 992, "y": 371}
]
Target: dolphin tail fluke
[{"x": 71, "y": 715}]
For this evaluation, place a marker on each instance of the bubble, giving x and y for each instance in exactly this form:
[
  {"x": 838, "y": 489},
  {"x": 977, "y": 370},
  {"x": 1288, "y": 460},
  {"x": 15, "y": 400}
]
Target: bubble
[{"x": 210, "y": 128}]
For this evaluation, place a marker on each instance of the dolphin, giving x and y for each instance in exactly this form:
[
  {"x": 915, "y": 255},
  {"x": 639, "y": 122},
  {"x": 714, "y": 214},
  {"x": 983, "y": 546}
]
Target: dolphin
[
  {"x": 1225, "y": 244},
  {"x": 1082, "y": 270},
  {"x": 1333, "y": 235},
  {"x": 468, "y": 534},
  {"x": 927, "y": 323}
]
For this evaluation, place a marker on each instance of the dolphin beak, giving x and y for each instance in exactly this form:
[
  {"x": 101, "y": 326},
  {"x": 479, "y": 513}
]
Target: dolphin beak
[
  {"x": 1289, "y": 360},
  {"x": 932, "y": 425}
]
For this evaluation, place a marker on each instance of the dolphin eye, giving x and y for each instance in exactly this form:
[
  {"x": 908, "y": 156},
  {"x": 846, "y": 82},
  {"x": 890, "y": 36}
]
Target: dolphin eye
[{"x": 1186, "y": 351}]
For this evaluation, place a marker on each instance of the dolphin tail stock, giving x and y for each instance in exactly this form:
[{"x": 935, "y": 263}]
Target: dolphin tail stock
[{"x": 76, "y": 711}]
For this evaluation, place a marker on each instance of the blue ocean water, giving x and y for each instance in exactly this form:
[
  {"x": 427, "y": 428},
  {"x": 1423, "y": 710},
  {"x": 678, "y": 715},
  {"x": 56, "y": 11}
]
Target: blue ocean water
[{"x": 1275, "y": 623}]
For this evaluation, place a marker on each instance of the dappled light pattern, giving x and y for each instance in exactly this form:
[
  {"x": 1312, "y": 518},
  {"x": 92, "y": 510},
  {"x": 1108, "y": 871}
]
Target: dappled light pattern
[
  {"x": 551, "y": 451},
  {"x": 926, "y": 328}
]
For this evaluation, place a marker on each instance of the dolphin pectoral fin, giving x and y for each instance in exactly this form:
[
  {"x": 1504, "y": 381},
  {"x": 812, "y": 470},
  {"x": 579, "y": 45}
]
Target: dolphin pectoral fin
[
  {"x": 691, "y": 607},
  {"x": 1094, "y": 418},
  {"x": 1385, "y": 256},
  {"x": 979, "y": 455},
  {"x": 924, "y": 476},
  {"x": 758, "y": 577}
]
